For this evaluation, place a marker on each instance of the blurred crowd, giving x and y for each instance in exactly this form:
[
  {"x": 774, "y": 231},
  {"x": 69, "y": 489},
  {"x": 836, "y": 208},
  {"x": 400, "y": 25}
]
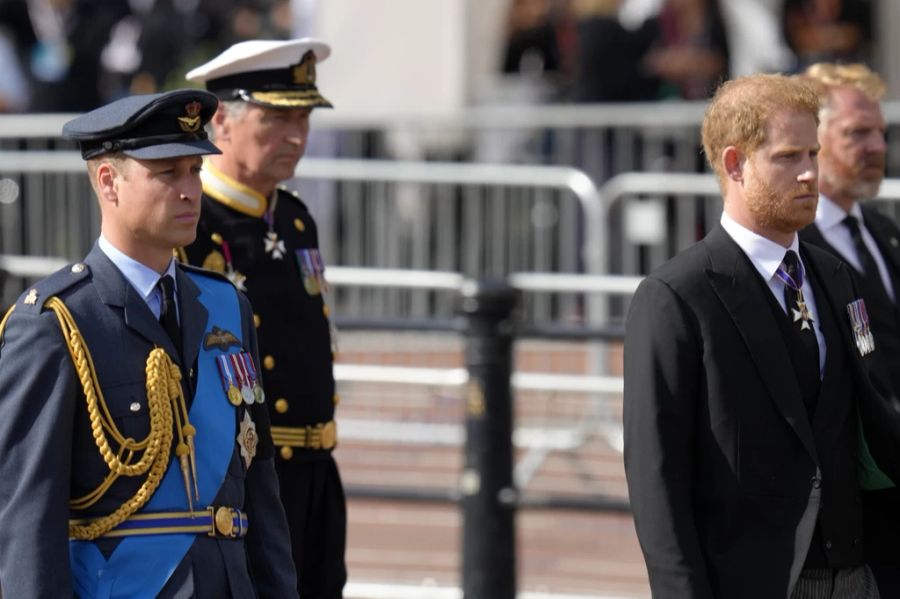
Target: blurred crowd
[
  {"x": 74, "y": 55},
  {"x": 589, "y": 51}
]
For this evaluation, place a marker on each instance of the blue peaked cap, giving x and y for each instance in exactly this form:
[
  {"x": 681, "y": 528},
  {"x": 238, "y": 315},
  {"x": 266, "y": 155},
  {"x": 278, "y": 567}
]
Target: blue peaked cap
[{"x": 153, "y": 126}]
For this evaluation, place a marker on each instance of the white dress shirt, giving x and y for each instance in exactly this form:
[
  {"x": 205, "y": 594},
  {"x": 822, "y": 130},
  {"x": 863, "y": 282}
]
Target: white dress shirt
[
  {"x": 143, "y": 278},
  {"x": 829, "y": 219},
  {"x": 766, "y": 256}
]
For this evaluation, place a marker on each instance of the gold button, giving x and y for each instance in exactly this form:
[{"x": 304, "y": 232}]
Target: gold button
[
  {"x": 77, "y": 268},
  {"x": 217, "y": 239},
  {"x": 135, "y": 406},
  {"x": 281, "y": 405},
  {"x": 336, "y": 399},
  {"x": 256, "y": 320},
  {"x": 299, "y": 225},
  {"x": 269, "y": 362},
  {"x": 287, "y": 453},
  {"x": 326, "y": 310}
]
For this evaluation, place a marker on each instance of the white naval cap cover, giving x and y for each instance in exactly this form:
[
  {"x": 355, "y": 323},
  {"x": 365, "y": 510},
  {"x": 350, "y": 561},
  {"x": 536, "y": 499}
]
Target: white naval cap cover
[{"x": 279, "y": 73}]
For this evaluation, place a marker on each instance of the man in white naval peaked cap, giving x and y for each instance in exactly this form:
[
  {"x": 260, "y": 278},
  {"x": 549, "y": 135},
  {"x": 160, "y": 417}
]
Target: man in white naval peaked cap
[
  {"x": 266, "y": 72},
  {"x": 264, "y": 239}
]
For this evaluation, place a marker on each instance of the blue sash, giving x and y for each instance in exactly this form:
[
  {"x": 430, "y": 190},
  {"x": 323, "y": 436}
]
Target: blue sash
[{"x": 140, "y": 566}]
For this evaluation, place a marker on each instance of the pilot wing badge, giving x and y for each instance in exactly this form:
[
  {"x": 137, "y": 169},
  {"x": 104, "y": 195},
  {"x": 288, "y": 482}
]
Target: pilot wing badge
[{"x": 220, "y": 338}]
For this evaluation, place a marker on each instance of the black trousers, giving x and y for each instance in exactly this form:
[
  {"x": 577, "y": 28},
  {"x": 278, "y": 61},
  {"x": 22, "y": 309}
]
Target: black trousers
[
  {"x": 316, "y": 510},
  {"x": 881, "y": 531}
]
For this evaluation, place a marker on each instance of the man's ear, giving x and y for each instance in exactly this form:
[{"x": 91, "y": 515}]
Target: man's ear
[
  {"x": 733, "y": 161},
  {"x": 107, "y": 179}
]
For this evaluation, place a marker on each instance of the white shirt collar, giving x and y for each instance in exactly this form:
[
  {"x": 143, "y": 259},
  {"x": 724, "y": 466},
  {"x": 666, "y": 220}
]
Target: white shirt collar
[
  {"x": 830, "y": 215},
  {"x": 765, "y": 254},
  {"x": 142, "y": 277}
]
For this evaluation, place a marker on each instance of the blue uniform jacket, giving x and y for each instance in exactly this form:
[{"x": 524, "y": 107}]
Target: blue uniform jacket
[{"x": 48, "y": 454}]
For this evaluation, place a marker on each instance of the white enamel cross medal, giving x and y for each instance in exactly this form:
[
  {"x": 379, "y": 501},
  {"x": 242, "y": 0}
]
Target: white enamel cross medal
[
  {"x": 274, "y": 245},
  {"x": 801, "y": 312}
]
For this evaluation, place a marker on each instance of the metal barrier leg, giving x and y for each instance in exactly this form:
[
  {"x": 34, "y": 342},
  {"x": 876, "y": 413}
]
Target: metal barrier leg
[{"x": 488, "y": 493}]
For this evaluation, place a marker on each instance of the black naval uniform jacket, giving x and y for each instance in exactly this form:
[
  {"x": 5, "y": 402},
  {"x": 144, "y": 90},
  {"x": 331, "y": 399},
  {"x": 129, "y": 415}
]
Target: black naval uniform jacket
[
  {"x": 48, "y": 454},
  {"x": 292, "y": 324},
  {"x": 733, "y": 484}
]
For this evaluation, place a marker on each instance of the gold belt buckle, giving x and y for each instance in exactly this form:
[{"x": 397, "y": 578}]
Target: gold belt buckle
[
  {"x": 328, "y": 434},
  {"x": 321, "y": 436},
  {"x": 223, "y": 521}
]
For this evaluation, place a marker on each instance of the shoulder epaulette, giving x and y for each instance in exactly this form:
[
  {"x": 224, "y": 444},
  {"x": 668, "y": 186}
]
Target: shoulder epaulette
[
  {"x": 32, "y": 301},
  {"x": 291, "y": 194}
]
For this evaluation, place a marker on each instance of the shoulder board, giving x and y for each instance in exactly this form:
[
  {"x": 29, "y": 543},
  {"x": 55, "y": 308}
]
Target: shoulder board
[
  {"x": 190, "y": 268},
  {"x": 32, "y": 301},
  {"x": 284, "y": 192},
  {"x": 180, "y": 255}
]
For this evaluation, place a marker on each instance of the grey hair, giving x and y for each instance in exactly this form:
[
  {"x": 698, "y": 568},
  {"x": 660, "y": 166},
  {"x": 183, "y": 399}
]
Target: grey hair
[{"x": 234, "y": 109}]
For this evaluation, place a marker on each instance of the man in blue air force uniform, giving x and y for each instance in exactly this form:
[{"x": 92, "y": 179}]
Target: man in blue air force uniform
[{"x": 135, "y": 443}]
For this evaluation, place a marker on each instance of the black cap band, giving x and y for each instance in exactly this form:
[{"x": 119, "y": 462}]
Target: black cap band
[{"x": 91, "y": 149}]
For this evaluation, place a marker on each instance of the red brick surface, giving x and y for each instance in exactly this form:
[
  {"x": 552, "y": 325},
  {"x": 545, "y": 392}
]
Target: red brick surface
[{"x": 559, "y": 552}]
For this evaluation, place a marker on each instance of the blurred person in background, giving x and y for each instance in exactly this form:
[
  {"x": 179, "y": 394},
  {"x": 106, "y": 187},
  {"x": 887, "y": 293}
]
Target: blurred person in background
[
  {"x": 265, "y": 240},
  {"x": 851, "y": 168},
  {"x": 689, "y": 57},
  {"x": 610, "y": 55},
  {"x": 13, "y": 85},
  {"x": 828, "y": 30},
  {"x": 541, "y": 41},
  {"x": 65, "y": 59},
  {"x": 679, "y": 51},
  {"x": 756, "y": 41},
  {"x": 158, "y": 41}
]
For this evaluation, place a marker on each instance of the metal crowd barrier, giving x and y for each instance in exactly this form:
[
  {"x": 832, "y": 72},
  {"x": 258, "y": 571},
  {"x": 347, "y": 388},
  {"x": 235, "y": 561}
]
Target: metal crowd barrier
[
  {"x": 480, "y": 220},
  {"x": 675, "y": 191},
  {"x": 603, "y": 140}
]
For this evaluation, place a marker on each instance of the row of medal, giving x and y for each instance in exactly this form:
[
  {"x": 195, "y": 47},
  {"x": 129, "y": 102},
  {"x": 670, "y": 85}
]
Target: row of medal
[
  {"x": 312, "y": 267},
  {"x": 239, "y": 379},
  {"x": 862, "y": 332}
]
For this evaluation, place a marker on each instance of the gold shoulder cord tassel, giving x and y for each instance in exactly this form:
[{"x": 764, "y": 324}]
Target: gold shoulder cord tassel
[{"x": 166, "y": 406}]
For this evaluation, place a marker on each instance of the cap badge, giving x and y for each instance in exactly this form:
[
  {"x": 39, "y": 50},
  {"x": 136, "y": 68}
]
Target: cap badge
[
  {"x": 305, "y": 72},
  {"x": 191, "y": 122}
]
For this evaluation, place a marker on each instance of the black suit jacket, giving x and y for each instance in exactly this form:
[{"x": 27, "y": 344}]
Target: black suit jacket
[
  {"x": 724, "y": 467},
  {"x": 884, "y": 313}
]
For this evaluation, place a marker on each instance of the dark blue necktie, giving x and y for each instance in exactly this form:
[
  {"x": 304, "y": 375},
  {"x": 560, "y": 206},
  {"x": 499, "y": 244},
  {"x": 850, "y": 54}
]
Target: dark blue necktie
[
  {"x": 869, "y": 266},
  {"x": 168, "y": 313}
]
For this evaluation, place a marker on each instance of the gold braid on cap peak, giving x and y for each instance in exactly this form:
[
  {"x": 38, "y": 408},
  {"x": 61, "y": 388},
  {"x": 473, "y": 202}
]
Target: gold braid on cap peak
[{"x": 166, "y": 406}]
